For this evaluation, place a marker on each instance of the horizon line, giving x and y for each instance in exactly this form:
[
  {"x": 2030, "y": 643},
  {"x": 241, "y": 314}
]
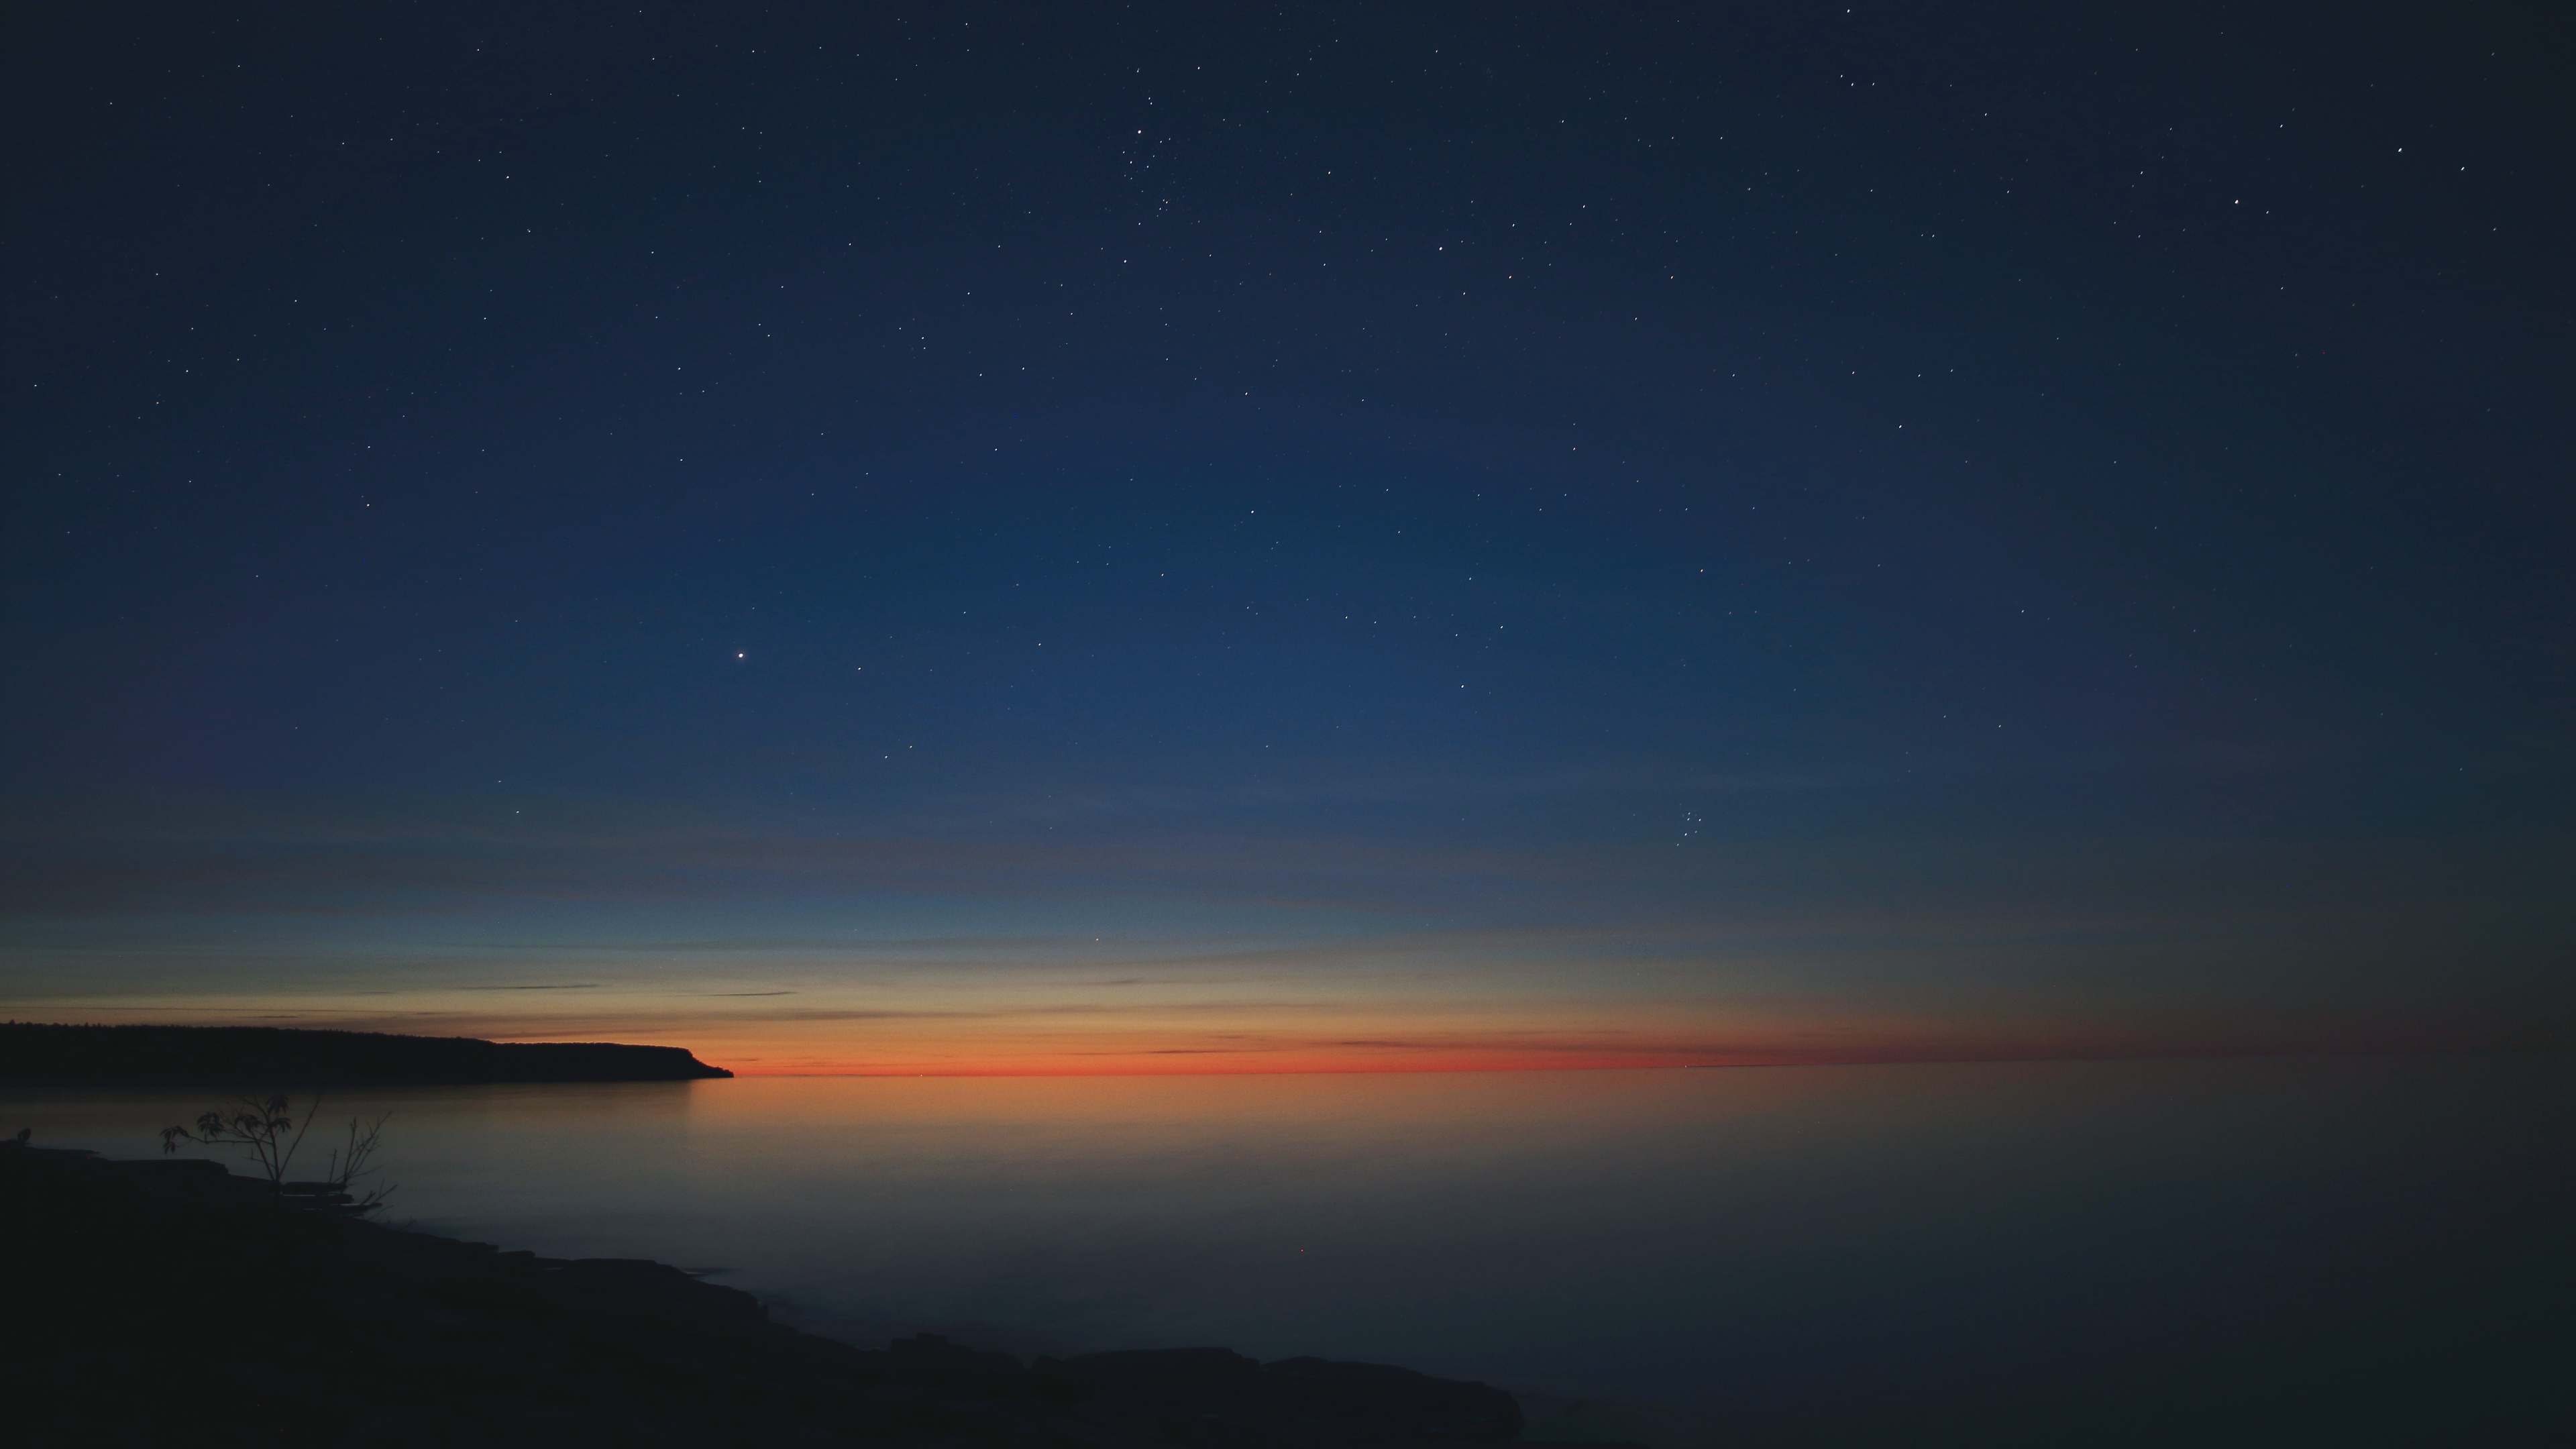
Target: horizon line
[{"x": 741, "y": 1073}]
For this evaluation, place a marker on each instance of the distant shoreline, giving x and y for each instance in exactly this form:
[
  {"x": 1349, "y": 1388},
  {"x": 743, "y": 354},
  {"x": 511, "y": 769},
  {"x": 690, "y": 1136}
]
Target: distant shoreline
[{"x": 275, "y": 1058}]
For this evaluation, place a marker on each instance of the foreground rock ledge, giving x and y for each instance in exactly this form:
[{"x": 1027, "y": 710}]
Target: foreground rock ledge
[{"x": 170, "y": 1302}]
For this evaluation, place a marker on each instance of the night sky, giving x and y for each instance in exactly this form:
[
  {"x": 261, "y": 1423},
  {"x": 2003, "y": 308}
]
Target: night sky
[{"x": 1084, "y": 538}]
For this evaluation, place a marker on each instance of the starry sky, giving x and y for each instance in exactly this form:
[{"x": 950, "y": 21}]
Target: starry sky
[{"x": 1065, "y": 538}]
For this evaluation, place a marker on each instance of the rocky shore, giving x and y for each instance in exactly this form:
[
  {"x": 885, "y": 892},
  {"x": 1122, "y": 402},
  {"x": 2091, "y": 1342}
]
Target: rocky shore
[{"x": 171, "y": 1302}]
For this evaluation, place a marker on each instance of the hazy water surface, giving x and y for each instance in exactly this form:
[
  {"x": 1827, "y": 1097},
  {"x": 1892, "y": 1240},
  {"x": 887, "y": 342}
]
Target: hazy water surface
[{"x": 1979, "y": 1253}]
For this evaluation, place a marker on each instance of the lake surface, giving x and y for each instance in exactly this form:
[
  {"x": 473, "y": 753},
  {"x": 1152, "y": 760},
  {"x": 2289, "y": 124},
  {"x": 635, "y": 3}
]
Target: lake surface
[{"x": 2152, "y": 1251}]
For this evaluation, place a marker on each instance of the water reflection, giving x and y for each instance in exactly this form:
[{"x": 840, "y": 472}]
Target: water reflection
[{"x": 1793, "y": 1253}]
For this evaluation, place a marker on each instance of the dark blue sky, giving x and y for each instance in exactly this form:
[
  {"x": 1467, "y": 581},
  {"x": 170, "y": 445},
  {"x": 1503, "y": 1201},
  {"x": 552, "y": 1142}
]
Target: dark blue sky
[{"x": 1667, "y": 533}]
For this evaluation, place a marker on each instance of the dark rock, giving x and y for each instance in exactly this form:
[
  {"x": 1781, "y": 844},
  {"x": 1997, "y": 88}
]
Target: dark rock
[
  {"x": 1294, "y": 1402},
  {"x": 173, "y": 1302},
  {"x": 1399, "y": 1400}
]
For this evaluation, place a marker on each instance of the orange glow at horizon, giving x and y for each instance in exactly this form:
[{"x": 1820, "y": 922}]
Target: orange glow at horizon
[
  {"x": 1276, "y": 1037},
  {"x": 1292, "y": 1038},
  {"x": 1593, "y": 1047}
]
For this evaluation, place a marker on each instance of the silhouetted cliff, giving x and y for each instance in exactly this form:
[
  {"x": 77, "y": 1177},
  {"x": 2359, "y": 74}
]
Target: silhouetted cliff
[{"x": 269, "y": 1058}]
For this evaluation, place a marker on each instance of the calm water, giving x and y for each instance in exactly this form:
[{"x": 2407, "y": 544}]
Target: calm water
[{"x": 1985, "y": 1253}]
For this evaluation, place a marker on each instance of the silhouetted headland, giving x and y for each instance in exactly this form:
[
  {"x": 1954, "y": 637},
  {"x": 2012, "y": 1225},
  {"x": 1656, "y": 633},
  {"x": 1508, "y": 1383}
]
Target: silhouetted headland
[
  {"x": 172, "y": 1302},
  {"x": 269, "y": 1057}
]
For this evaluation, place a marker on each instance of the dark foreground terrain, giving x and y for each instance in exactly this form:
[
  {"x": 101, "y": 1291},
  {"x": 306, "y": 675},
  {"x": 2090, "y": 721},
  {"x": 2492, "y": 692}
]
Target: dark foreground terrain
[
  {"x": 264, "y": 1057},
  {"x": 171, "y": 1302}
]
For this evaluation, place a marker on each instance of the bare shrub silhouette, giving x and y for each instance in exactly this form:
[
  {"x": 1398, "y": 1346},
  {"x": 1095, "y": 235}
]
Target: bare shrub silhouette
[{"x": 266, "y": 1128}]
